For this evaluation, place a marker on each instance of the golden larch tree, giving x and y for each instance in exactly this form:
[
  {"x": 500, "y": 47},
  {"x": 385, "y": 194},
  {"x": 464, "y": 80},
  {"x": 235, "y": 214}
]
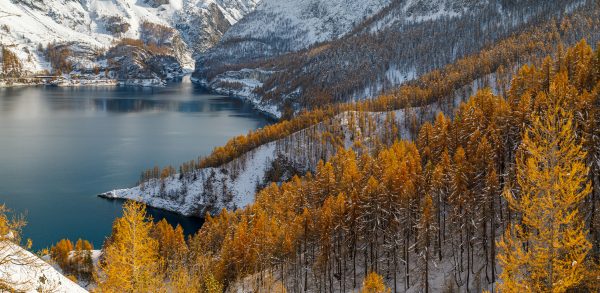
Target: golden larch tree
[
  {"x": 545, "y": 251},
  {"x": 131, "y": 261},
  {"x": 373, "y": 283}
]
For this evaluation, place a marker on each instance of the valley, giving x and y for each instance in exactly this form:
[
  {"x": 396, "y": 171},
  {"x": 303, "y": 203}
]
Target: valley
[{"x": 300, "y": 146}]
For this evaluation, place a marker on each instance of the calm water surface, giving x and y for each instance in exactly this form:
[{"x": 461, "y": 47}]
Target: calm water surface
[{"x": 60, "y": 147}]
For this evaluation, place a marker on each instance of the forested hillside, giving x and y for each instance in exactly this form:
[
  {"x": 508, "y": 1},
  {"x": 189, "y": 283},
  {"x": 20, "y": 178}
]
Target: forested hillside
[
  {"x": 230, "y": 176},
  {"x": 404, "y": 40},
  {"x": 420, "y": 146},
  {"x": 429, "y": 213},
  {"x": 497, "y": 196}
]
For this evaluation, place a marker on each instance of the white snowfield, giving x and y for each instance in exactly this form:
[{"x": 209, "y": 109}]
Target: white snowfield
[
  {"x": 23, "y": 271},
  {"x": 25, "y": 24}
]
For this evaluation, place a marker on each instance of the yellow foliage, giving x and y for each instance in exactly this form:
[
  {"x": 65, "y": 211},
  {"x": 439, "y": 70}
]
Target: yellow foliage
[
  {"x": 60, "y": 252},
  {"x": 131, "y": 260},
  {"x": 547, "y": 250},
  {"x": 373, "y": 283}
]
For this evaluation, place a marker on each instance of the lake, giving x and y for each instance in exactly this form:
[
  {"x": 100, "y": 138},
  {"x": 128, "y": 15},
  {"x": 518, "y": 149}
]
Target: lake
[{"x": 60, "y": 147}]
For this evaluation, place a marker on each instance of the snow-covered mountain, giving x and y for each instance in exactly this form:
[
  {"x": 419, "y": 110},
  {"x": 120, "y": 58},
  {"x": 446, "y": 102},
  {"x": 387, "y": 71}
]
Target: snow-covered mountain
[
  {"x": 93, "y": 26},
  {"x": 203, "y": 22},
  {"x": 281, "y": 26},
  {"x": 377, "y": 46}
]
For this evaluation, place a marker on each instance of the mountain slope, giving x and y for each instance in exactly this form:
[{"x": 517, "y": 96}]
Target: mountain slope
[
  {"x": 400, "y": 42},
  {"x": 202, "y": 23},
  {"x": 280, "y": 26},
  {"x": 25, "y": 272},
  {"x": 230, "y": 176},
  {"x": 192, "y": 26}
]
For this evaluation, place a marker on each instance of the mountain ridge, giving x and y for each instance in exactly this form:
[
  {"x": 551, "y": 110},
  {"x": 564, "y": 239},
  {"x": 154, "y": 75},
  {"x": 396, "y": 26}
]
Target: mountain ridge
[
  {"x": 401, "y": 42},
  {"x": 187, "y": 28}
]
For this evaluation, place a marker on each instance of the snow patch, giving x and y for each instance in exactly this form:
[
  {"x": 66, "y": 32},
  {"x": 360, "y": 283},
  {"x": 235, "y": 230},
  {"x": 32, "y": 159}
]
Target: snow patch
[{"x": 24, "y": 271}]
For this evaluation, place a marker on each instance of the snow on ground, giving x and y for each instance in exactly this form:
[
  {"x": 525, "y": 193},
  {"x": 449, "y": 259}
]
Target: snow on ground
[
  {"x": 234, "y": 184},
  {"x": 442, "y": 276},
  {"x": 203, "y": 192},
  {"x": 396, "y": 76},
  {"x": 24, "y": 271},
  {"x": 88, "y": 285},
  {"x": 245, "y": 81},
  {"x": 305, "y": 22}
]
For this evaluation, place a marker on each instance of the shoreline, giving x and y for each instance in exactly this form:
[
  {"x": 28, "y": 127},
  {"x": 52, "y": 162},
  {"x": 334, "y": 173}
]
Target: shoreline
[
  {"x": 149, "y": 83},
  {"x": 88, "y": 83},
  {"x": 273, "y": 115},
  {"x": 107, "y": 196}
]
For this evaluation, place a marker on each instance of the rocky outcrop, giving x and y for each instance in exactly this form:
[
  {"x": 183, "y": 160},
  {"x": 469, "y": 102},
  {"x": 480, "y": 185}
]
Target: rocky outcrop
[
  {"x": 156, "y": 3},
  {"x": 203, "y": 28},
  {"x": 130, "y": 62}
]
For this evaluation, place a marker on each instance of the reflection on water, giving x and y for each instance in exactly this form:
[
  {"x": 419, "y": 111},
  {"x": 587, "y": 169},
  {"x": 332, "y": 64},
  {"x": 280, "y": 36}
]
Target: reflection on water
[
  {"x": 60, "y": 147},
  {"x": 183, "y": 98}
]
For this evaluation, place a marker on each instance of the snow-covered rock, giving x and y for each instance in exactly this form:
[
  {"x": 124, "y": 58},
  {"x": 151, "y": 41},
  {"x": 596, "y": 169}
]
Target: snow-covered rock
[
  {"x": 202, "y": 23},
  {"x": 25, "y": 272},
  {"x": 25, "y": 25}
]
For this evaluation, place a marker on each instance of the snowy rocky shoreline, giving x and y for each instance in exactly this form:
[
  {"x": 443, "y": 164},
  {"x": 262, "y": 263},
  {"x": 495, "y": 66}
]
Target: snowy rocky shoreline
[
  {"x": 72, "y": 82},
  {"x": 89, "y": 83},
  {"x": 244, "y": 93}
]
